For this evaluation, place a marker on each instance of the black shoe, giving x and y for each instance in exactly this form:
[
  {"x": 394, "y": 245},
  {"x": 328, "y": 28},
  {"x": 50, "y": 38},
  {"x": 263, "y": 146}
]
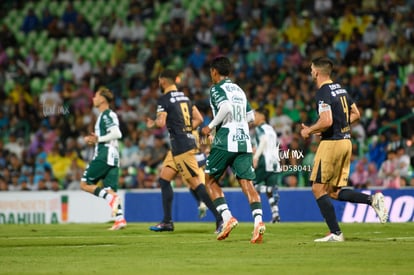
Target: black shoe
[{"x": 162, "y": 227}]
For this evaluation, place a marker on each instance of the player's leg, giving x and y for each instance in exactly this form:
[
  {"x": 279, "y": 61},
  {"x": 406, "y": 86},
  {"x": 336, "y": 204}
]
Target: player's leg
[
  {"x": 343, "y": 194},
  {"x": 95, "y": 171},
  {"x": 167, "y": 174},
  {"x": 272, "y": 193},
  {"x": 189, "y": 169},
  {"x": 201, "y": 206},
  {"x": 216, "y": 165},
  {"x": 110, "y": 183},
  {"x": 325, "y": 159},
  {"x": 242, "y": 168}
]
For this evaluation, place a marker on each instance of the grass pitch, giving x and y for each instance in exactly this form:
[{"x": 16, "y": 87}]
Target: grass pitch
[{"x": 288, "y": 248}]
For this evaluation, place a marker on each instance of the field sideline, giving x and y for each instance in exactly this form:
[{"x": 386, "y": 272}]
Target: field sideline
[{"x": 288, "y": 248}]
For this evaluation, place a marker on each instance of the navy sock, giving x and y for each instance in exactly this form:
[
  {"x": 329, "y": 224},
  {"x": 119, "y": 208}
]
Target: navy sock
[
  {"x": 353, "y": 196},
  {"x": 195, "y": 195},
  {"x": 328, "y": 213},
  {"x": 167, "y": 199},
  {"x": 202, "y": 194}
]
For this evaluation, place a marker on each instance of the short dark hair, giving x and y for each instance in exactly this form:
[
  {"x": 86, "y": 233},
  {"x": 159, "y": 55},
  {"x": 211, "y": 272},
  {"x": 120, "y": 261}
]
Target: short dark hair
[
  {"x": 324, "y": 64},
  {"x": 222, "y": 65},
  {"x": 263, "y": 111},
  {"x": 169, "y": 74}
]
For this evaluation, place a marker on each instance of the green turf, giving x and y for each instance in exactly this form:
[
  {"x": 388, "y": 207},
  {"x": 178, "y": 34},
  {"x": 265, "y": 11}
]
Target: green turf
[{"x": 288, "y": 248}]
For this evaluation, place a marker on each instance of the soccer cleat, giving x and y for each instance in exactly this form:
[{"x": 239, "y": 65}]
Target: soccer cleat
[
  {"x": 202, "y": 210},
  {"x": 119, "y": 224},
  {"x": 162, "y": 227},
  {"x": 225, "y": 228},
  {"x": 114, "y": 203},
  {"x": 219, "y": 225},
  {"x": 378, "y": 203},
  {"x": 258, "y": 232},
  {"x": 331, "y": 237}
]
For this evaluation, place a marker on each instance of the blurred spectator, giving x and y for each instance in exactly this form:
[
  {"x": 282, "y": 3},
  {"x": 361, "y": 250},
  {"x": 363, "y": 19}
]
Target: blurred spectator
[
  {"x": 56, "y": 28},
  {"x": 64, "y": 58},
  {"x": 47, "y": 18},
  {"x": 137, "y": 31},
  {"x": 82, "y": 97},
  {"x": 359, "y": 178},
  {"x": 37, "y": 66},
  {"x": 50, "y": 100},
  {"x": 105, "y": 26},
  {"x": 373, "y": 180},
  {"x": 14, "y": 146},
  {"x": 81, "y": 68},
  {"x": 377, "y": 150},
  {"x": 403, "y": 166},
  {"x": 322, "y": 7},
  {"x": 204, "y": 37},
  {"x": 389, "y": 172},
  {"x": 177, "y": 12},
  {"x": 150, "y": 161},
  {"x": 130, "y": 156},
  {"x": 30, "y": 22},
  {"x": 197, "y": 59},
  {"x": 70, "y": 15},
  {"x": 118, "y": 54},
  {"x": 81, "y": 28},
  {"x": 7, "y": 37},
  {"x": 119, "y": 31}
]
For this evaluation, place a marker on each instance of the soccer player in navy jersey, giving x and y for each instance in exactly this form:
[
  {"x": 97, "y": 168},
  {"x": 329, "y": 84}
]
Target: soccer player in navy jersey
[
  {"x": 176, "y": 112},
  {"x": 337, "y": 111}
]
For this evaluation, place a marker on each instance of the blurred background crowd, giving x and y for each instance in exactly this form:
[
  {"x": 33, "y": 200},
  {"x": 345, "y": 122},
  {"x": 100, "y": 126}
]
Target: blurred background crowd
[{"x": 54, "y": 54}]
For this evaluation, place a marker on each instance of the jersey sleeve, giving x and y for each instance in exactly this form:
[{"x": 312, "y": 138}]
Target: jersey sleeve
[
  {"x": 161, "y": 106},
  {"x": 323, "y": 99},
  {"x": 110, "y": 120},
  {"x": 218, "y": 96}
]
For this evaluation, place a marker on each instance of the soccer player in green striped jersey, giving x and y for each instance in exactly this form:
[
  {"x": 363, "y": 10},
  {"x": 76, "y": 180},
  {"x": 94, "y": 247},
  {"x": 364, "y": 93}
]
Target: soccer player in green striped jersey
[
  {"x": 231, "y": 147},
  {"x": 266, "y": 160},
  {"x": 105, "y": 163}
]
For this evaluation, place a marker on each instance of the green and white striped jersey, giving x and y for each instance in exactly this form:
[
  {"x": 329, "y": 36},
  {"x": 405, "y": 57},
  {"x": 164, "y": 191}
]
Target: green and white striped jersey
[
  {"x": 271, "y": 150},
  {"x": 232, "y": 134},
  {"x": 107, "y": 151}
]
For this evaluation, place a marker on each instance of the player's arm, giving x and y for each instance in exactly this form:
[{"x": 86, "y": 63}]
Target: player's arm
[
  {"x": 159, "y": 122},
  {"x": 113, "y": 133},
  {"x": 197, "y": 117},
  {"x": 259, "y": 150},
  {"x": 354, "y": 115},
  {"x": 324, "y": 122},
  {"x": 224, "y": 110}
]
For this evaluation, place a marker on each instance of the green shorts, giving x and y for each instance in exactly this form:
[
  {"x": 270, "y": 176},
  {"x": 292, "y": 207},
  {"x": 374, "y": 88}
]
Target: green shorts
[
  {"x": 265, "y": 177},
  {"x": 98, "y": 170},
  {"x": 240, "y": 163}
]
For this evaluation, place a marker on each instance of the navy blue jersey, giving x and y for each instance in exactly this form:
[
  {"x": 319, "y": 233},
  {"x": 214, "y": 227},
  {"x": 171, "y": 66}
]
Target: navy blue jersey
[
  {"x": 333, "y": 96},
  {"x": 179, "y": 121}
]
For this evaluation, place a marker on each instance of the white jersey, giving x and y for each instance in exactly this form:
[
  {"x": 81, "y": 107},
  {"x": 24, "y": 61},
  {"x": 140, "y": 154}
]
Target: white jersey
[
  {"x": 107, "y": 151},
  {"x": 271, "y": 149},
  {"x": 232, "y": 134}
]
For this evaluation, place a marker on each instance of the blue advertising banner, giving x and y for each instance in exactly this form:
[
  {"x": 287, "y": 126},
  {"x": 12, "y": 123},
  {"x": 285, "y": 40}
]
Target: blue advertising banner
[{"x": 296, "y": 205}]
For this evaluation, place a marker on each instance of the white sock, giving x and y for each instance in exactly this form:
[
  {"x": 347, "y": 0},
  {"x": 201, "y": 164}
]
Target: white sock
[
  {"x": 257, "y": 214},
  {"x": 224, "y": 210}
]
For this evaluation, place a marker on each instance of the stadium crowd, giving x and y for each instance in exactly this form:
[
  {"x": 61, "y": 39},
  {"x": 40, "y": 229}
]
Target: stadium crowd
[{"x": 270, "y": 44}]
